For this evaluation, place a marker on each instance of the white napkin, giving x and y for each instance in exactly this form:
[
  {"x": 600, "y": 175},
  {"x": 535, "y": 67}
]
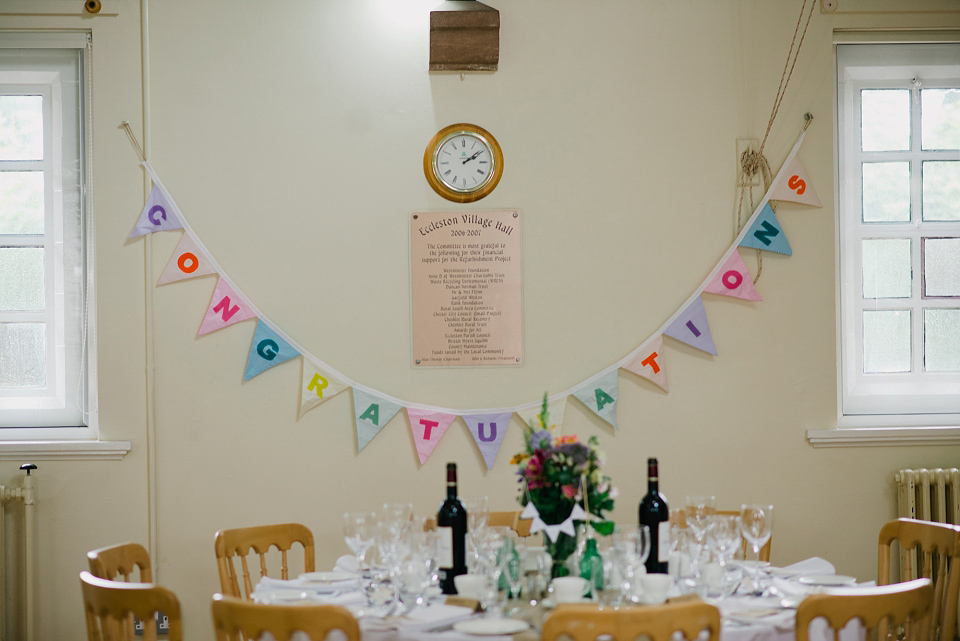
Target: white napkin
[
  {"x": 266, "y": 583},
  {"x": 347, "y": 563},
  {"x": 813, "y": 565},
  {"x": 763, "y": 611},
  {"x": 420, "y": 619}
]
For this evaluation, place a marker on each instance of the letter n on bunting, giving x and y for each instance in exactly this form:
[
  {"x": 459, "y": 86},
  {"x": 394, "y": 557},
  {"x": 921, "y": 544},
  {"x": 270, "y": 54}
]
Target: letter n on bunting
[
  {"x": 600, "y": 395},
  {"x": 226, "y": 308}
]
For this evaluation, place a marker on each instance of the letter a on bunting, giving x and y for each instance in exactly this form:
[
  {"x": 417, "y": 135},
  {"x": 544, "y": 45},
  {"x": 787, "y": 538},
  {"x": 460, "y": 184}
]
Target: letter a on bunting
[
  {"x": 267, "y": 350},
  {"x": 188, "y": 261},
  {"x": 649, "y": 363},
  {"x": 488, "y": 431},
  {"x": 600, "y": 395},
  {"x": 691, "y": 327},
  {"x": 795, "y": 186},
  {"x": 317, "y": 385},
  {"x": 157, "y": 215},
  {"x": 766, "y": 233},
  {"x": 226, "y": 308},
  {"x": 372, "y": 413},
  {"x": 733, "y": 279},
  {"x": 428, "y": 428}
]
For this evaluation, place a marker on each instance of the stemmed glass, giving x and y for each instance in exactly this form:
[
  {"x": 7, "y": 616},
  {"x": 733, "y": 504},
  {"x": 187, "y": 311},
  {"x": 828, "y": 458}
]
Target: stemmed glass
[
  {"x": 536, "y": 568},
  {"x": 698, "y": 510},
  {"x": 489, "y": 549},
  {"x": 723, "y": 537},
  {"x": 477, "y": 513},
  {"x": 631, "y": 549},
  {"x": 360, "y": 531},
  {"x": 756, "y": 525}
]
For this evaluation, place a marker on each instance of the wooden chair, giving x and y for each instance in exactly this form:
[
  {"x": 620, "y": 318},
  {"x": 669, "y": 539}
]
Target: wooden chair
[
  {"x": 236, "y": 619},
  {"x": 902, "y": 609},
  {"x": 929, "y": 550},
  {"x": 110, "y": 607},
  {"x": 587, "y": 622},
  {"x": 120, "y": 560},
  {"x": 240, "y": 542},
  {"x": 508, "y": 518}
]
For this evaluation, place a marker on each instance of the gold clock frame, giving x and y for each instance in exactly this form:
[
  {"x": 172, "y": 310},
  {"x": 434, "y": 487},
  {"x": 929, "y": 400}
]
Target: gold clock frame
[{"x": 430, "y": 166}]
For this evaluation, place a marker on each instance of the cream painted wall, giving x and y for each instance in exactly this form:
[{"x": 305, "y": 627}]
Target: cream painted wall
[{"x": 291, "y": 134}]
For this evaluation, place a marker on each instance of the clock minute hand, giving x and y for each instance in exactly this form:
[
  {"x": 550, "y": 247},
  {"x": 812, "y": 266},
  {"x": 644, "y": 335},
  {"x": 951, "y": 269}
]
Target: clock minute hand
[{"x": 472, "y": 157}]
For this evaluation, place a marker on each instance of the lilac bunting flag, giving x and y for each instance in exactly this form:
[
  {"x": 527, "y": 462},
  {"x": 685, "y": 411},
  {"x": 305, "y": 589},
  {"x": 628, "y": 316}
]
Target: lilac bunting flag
[
  {"x": 188, "y": 261},
  {"x": 226, "y": 308},
  {"x": 371, "y": 413},
  {"x": 488, "y": 431},
  {"x": 691, "y": 327},
  {"x": 649, "y": 364},
  {"x": 600, "y": 396},
  {"x": 733, "y": 279},
  {"x": 157, "y": 215},
  {"x": 428, "y": 428}
]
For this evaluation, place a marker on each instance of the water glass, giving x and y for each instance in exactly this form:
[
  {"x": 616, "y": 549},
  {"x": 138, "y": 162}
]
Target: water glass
[
  {"x": 360, "y": 532},
  {"x": 756, "y": 526}
]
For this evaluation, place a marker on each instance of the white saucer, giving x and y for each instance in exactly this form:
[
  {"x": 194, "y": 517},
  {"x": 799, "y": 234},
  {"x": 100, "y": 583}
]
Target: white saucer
[
  {"x": 827, "y": 579},
  {"x": 490, "y": 627},
  {"x": 326, "y": 577}
]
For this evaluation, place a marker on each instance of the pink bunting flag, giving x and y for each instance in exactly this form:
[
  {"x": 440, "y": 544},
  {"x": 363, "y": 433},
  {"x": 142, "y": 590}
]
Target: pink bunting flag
[
  {"x": 733, "y": 279},
  {"x": 649, "y": 364},
  {"x": 188, "y": 261},
  {"x": 428, "y": 428},
  {"x": 795, "y": 186},
  {"x": 226, "y": 308}
]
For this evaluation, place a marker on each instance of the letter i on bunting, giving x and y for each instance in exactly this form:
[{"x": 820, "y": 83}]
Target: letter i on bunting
[
  {"x": 371, "y": 413},
  {"x": 733, "y": 279},
  {"x": 765, "y": 233},
  {"x": 795, "y": 186},
  {"x": 488, "y": 431},
  {"x": 267, "y": 350},
  {"x": 600, "y": 395},
  {"x": 226, "y": 308},
  {"x": 427, "y": 427},
  {"x": 316, "y": 386},
  {"x": 187, "y": 262},
  {"x": 649, "y": 364},
  {"x": 691, "y": 327},
  {"x": 157, "y": 215}
]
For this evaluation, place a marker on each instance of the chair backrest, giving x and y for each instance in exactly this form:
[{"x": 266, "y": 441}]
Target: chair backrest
[
  {"x": 115, "y": 561},
  {"x": 929, "y": 550},
  {"x": 903, "y": 608},
  {"x": 587, "y": 622},
  {"x": 508, "y": 518},
  {"x": 236, "y": 619},
  {"x": 110, "y": 607},
  {"x": 241, "y": 542}
]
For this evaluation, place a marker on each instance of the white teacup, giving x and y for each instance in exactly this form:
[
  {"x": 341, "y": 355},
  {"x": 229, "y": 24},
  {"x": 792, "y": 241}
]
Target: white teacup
[
  {"x": 468, "y": 585},
  {"x": 569, "y": 589},
  {"x": 655, "y": 587}
]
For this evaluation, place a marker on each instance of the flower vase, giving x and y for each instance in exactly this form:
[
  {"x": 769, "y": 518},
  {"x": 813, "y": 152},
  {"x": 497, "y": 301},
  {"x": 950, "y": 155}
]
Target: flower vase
[{"x": 560, "y": 550}]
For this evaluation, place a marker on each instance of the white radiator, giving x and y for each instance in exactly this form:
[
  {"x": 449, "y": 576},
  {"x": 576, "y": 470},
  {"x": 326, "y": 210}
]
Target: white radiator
[
  {"x": 24, "y": 493},
  {"x": 930, "y": 495}
]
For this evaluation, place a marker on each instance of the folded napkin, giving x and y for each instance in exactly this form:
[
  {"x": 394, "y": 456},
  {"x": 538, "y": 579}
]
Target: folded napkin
[
  {"x": 347, "y": 563},
  {"x": 266, "y": 583},
  {"x": 813, "y": 565},
  {"x": 762, "y": 611},
  {"x": 420, "y": 619}
]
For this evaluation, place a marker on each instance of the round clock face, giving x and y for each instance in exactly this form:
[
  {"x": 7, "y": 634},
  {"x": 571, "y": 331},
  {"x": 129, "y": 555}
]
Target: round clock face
[{"x": 463, "y": 163}]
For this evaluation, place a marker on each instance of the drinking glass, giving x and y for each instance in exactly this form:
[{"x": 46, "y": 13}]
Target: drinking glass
[
  {"x": 360, "y": 531},
  {"x": 631, "y": 547},
  {"x": 397, "y": 516},
  {"x": 723, "y": 538},
  {"x": 697, "y": 510},
  {"x": 536, "y": 567},
  {"x": 477, "y": 513},
  {"x": 756, "y": 525}
]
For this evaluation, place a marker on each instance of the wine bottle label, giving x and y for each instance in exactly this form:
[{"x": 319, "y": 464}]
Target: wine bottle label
[
  {"x": 663, "y": 550},
  {"x": 445, "y": 547}
]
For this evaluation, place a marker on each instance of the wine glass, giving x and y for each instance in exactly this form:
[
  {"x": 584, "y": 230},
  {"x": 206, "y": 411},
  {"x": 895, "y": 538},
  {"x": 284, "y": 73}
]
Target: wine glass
[
  {"x": 723, "y": 537},
  {"x": 631, "y": 548},
  {"x": 397, "y": 516},
  {"x": 756, "y": 526},
  {"x": 697, "y": 510},
  {"x": 477, "y": 513},
  {"x": 359, "y": 531}
]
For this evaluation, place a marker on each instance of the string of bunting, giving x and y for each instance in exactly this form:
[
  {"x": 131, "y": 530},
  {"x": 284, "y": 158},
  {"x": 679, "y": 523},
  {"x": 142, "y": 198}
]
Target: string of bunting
[{"x": 373, "y": 409}]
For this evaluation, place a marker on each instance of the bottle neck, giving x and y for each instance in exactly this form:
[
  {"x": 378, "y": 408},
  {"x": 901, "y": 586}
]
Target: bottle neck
[
  {"x": 451, "y": 489},
  {"x": 653, "y": 476}
]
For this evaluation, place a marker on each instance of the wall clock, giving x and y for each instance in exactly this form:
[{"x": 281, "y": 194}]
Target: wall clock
[{"x": 463, "y": 162}]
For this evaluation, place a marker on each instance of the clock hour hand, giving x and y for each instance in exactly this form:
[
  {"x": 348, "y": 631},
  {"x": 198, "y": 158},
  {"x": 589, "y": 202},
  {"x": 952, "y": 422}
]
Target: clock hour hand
[{"x": 472, "y": 157}]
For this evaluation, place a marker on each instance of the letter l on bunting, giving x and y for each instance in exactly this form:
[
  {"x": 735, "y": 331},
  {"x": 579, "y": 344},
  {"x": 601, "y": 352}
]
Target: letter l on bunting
[
  {"x": 600, "y": 395},
  {"x": 691, "y": 327},
  {"x": 488, "y": 431}
]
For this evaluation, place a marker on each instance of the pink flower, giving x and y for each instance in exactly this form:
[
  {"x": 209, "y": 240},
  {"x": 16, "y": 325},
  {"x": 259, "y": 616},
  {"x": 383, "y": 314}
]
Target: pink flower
[{"x": 569, "y": 491}]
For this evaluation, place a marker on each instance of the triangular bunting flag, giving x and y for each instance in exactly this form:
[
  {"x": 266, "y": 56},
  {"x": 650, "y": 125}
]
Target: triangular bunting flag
[
  {"x": 766, "y": 233},
  {"x": 188, "y": 261},
  {"x": 371, "y": 414},
  {"x": 529, "y": 511},
  {"x": 157, "y": 215},
  {"x": 488, "y": 431},
  {"x": 649, "y": 364},
  {"x": 267, "y": 350},
  {"x": 428, "y": 428},
  {"x": 795, "y": 186},
  {"x": 317, "y": 386},
  {"x": 691, "y": 327},
  {"x": 226, "y": 308},
  {"x": 601, "y": 396},
  {"x": 733, "y": 279}
]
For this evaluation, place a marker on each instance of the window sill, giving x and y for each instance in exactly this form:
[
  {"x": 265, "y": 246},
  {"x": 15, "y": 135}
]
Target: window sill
[
  {"x": 884, "y": 436},
  {"x": 63, "y": 450}
]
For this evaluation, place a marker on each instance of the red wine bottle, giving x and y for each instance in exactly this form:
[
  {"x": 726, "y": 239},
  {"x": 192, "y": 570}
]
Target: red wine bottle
[
  {"x": 655, "y": 515},
  {"x": 452, "y": 528}
]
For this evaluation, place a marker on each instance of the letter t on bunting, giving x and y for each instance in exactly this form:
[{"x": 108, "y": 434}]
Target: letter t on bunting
[
  {"x": 600, "y": 395},
  {"x": 649, "y": 363},
  {"x": 428, "y": 428},
  {"x": 488, "y": 431}
]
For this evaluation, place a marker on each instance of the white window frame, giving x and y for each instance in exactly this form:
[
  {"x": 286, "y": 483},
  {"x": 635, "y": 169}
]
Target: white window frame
[{"x": 63, "y": 130}]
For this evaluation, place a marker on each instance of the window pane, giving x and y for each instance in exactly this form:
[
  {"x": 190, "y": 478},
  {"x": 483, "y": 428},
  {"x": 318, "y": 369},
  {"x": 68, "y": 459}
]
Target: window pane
[
  {"x": 886, "y": 192},
  {"x": 941, "y": 190},
  {"x": 885, "y": 119},
  {"x": 886, "y": 341},
  {"x": 21, "y": 128},
  {"x": 21, "y": 202},
  {"x": 21, "y": 288},
  {"x": 886, "y": 268},
  {"x": 940, "y": 118},
  {"x": 941, "y": 340},
  {"x": 941, "y": 266},
  {"x": 22, "y": 355}
]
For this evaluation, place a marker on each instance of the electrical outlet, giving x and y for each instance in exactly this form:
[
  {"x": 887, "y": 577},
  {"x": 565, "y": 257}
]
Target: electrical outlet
[
  {"x": 744, "y": 145},
  {"x": 137, "y": 627},
  {"x": 163, "y": 623}
]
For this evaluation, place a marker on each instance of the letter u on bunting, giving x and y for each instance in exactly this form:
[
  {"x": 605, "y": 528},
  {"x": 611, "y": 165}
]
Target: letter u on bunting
[
  {"x": 691, "y": 327},
  {"x": 428, "y": 428},
  {"x": 600, "y": 395},
  {"x": 371, "y": 413},
  {"x": 795, "y": 186},
  {"x": 733, "y": 279},
  {"x": 649, "y": 363},
  {"x": 268, "y": 350},
  {"x": 157, "y": 215},
  {"x": 766, "y": 233},
  {"x": 226, "y": 308},
  {"x": 488, "y": 431},
  {"x": 316, "y": 386},
  {"x": 188, "y": 261}
]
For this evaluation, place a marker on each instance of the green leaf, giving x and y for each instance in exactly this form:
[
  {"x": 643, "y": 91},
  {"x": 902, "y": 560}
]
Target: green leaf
[{"x": 604, "y": 527}]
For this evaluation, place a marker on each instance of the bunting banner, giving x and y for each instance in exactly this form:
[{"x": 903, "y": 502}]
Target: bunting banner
[
  {"x": 428, "y": 427},
  {"x": 553, "y": 531},
  {"x": 226, "y": 308},
  {"x": 734, "y": 280},
  {"x": 795, "y": 186},
  {"x": 488, "y": 431},
  {"x": 691, "y": 327},
  {"x": 317, "y": 385},
  {"x": 157, "y": 215},
  {"x": 648, "y": 363},
  {"x": 267, "y": 350},
  {"x": 371, "y": 413},
  {"x": 600, "y": 395},
  {"x": 766, "y": 233},
  {"x": 188, "y": 261}
]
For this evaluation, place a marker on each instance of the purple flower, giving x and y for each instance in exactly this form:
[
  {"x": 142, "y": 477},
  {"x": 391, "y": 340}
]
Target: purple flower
[{"x": 540, "y": 440}]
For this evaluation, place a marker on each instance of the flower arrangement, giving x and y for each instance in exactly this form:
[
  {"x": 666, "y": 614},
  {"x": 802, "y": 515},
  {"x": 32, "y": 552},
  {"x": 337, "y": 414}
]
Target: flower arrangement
[{"x": 559, "y": 472}]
